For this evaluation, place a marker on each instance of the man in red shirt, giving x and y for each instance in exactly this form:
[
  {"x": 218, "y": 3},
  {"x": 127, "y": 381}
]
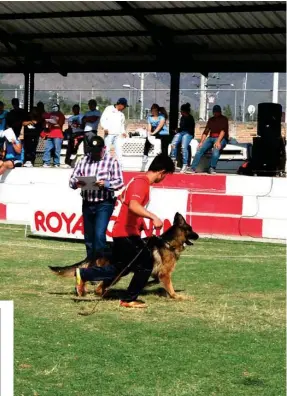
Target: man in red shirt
[
  {"x": 217, "y": 129},
  {"x": 54, "y": 140},
  {"x": 130, "y": 252}
]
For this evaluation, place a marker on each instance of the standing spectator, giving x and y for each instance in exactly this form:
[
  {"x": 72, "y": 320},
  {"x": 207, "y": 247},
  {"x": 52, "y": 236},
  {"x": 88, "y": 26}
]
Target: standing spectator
[
  {"x": 32, "y": 129},
  {"x": 75, "y": 134},
  {"x": 217, "y": 127},
  {"x": 157, "y": 127},
  {"x": 98, "y": 205},
  {"x": 13, "y": 155},
  {"x": 42, "y": 112},
  {"x": 113, "y": 123},
  {"x": 92, "y": 117},
  {"x": 3, "y": 116},
  {"x": 54, "y": 137},
  {"x": 15, "y": 117},
  {"x": 184, "y": 136}
]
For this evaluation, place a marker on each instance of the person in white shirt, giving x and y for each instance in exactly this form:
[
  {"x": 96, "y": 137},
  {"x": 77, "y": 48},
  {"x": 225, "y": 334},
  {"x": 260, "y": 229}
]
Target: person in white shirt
[
  {"x": 92, "y": 117},
  {"x": 113, "y": 123}
]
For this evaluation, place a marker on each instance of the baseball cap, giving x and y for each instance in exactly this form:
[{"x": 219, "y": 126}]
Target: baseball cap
[
  {"x": 123, "y": 102},
  {"x": 55, "y": 107},
  {"x": 216, "y": 109},
  {"x": 94, "y": 143}
]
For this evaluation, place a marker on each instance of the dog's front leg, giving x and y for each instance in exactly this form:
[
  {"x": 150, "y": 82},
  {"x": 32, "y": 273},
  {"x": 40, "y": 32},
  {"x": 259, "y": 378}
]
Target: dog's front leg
[{"x": 167, "y": 284}]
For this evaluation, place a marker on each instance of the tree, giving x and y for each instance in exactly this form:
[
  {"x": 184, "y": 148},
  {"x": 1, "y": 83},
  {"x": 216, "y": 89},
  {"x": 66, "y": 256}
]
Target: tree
[{"x": 227, "y": 112}]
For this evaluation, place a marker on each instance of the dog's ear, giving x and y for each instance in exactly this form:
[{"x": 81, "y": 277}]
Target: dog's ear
[{"x": 179, "y": 220}]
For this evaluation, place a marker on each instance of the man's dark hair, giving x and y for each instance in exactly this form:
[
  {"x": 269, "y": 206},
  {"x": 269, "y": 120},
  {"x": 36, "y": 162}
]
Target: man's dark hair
[
  {"x": 1, "y": 103},
  {"x": 15, "y": 101},
  {"x": 162, "y": 163},
  {"x": 76, "y": 106}
]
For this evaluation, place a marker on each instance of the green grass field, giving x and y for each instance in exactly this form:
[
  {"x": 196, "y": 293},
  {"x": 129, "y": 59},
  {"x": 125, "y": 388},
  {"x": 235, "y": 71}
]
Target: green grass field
[{"x": 228, "y": 340}]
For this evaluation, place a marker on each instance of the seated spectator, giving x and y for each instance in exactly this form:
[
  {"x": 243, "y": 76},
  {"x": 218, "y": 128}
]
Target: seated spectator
[
  {"x": 54, "y": 136},
  {"x": 3, "y": 116},
  {"x": 184, "y": 136},
  {"x": 75, "y": 134},
  {"x": 32, "y": 129},
  {"x": 12, "y": 155},
  {"x": 217, "y": 127}
]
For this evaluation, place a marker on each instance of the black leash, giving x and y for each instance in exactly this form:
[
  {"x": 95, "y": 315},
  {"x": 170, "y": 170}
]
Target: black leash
[{"x": 93, "y": 310}]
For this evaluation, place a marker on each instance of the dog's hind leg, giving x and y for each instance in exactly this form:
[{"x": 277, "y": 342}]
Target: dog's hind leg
[{"x": 155, "y": 281}]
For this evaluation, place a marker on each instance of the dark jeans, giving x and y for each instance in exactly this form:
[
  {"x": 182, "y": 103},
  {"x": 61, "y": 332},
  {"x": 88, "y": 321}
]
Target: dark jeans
[
  {"x": 125, "y": 250},
  {"x": 165, "y": 141},
  {"x": 96, "y": 218},
  {"x": 30, "y": 147},
  {"x": 72, "y": 147}
]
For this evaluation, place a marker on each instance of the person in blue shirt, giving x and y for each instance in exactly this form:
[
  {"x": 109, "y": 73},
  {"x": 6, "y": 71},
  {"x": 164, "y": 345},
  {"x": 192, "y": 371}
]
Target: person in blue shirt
[
  {"x": 183, "y": 136},
  {"x": 157, "y": 127},
  {"x": 14, "y": 155},
  {"x": 3, "y": 115}
]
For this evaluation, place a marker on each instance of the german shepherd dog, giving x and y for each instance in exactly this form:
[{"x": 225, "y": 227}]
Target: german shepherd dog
[{"x": 166, "y": 251}]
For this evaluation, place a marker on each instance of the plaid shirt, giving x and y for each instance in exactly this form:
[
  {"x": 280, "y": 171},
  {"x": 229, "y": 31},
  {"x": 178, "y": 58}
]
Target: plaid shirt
[{"x": 106, "y": 169}]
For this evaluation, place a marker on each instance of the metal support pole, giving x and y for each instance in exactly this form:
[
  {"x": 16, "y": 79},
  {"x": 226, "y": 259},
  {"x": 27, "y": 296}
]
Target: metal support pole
[
  {"x": 142, "y": 95},
  {"x": 202, "y": 106},
  {"x": 174, "y": 98},
  {"x": 31, "y": 90},
  {"x": 235, "y": 106},
  {"x": 26, "y": 91},
  {"x": 275, "y": 87},
  {"x": 244, "y": 96},
  {"x": 80, "y": 102}
]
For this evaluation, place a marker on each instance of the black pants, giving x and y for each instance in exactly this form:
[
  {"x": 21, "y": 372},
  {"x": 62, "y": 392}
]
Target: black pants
[
  {"x": 125, "y": 250},
  {"x": 165, "y": 141},
  {"x": 30, "y": 147},
  {"x": 72, "y": 147}
]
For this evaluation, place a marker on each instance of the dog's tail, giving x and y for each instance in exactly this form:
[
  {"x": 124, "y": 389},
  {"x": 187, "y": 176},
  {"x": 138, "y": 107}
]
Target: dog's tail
[{"x": 69, "y": 270}]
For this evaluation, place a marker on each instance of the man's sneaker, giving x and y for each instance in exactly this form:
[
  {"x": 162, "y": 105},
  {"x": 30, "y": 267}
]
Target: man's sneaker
[
  {"x": 28, "y": 164},
  {"x": 56, "y": 166},
  {"x": 66, "y": 166},
  {"x": 183, "y": 169},
  {"x": 80, "y": 284},
  {"x": 46, "y": 166},
  {"x": 190, "y": 170},
  {"x": 133, "y": 304},
  {"x": 211, "y": 171}
]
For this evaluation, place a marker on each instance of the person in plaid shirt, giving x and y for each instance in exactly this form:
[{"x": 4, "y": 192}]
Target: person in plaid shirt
[{"x": 98, "y": 204}]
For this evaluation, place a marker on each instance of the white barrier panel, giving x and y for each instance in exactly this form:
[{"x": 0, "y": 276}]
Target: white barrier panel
[
  {"x": 61, "y": 215},
  {"x": 265, "y": 207},
  {"x": 6, "y": 348},
  {"x": 256, "y": 186},
  {"x": 276, "y": 229}
]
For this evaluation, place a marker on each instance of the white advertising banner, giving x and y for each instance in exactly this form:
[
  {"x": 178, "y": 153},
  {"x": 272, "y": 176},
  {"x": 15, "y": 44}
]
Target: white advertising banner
[{"x": 58, "y": 213}]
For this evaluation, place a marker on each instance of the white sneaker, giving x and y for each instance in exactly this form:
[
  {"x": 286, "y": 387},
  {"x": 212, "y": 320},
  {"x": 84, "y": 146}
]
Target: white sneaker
[
  {"x": 28, "y": 164},
  {"x": 145, "y": 159},
  {"x": 183, "y": 169},
  {"x": 56, "y": 166},
  {"x": 46, "y": 166},
  {"x": 66, "y": 166}
]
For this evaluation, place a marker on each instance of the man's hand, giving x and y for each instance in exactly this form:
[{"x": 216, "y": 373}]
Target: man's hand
[
  {"x": 80, "y": 184},
  {"x": 157, "y": 223},
  {"x": 217, "y": 145},
  {"x": 106, "y": 132},
  {"x": 100, "y": 183}
]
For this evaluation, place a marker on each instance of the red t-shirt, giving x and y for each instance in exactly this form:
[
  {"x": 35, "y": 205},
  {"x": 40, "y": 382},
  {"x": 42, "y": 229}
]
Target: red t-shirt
[
  {"x": 128, "y": 223},
  {"x": 56, "y": 131}
]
